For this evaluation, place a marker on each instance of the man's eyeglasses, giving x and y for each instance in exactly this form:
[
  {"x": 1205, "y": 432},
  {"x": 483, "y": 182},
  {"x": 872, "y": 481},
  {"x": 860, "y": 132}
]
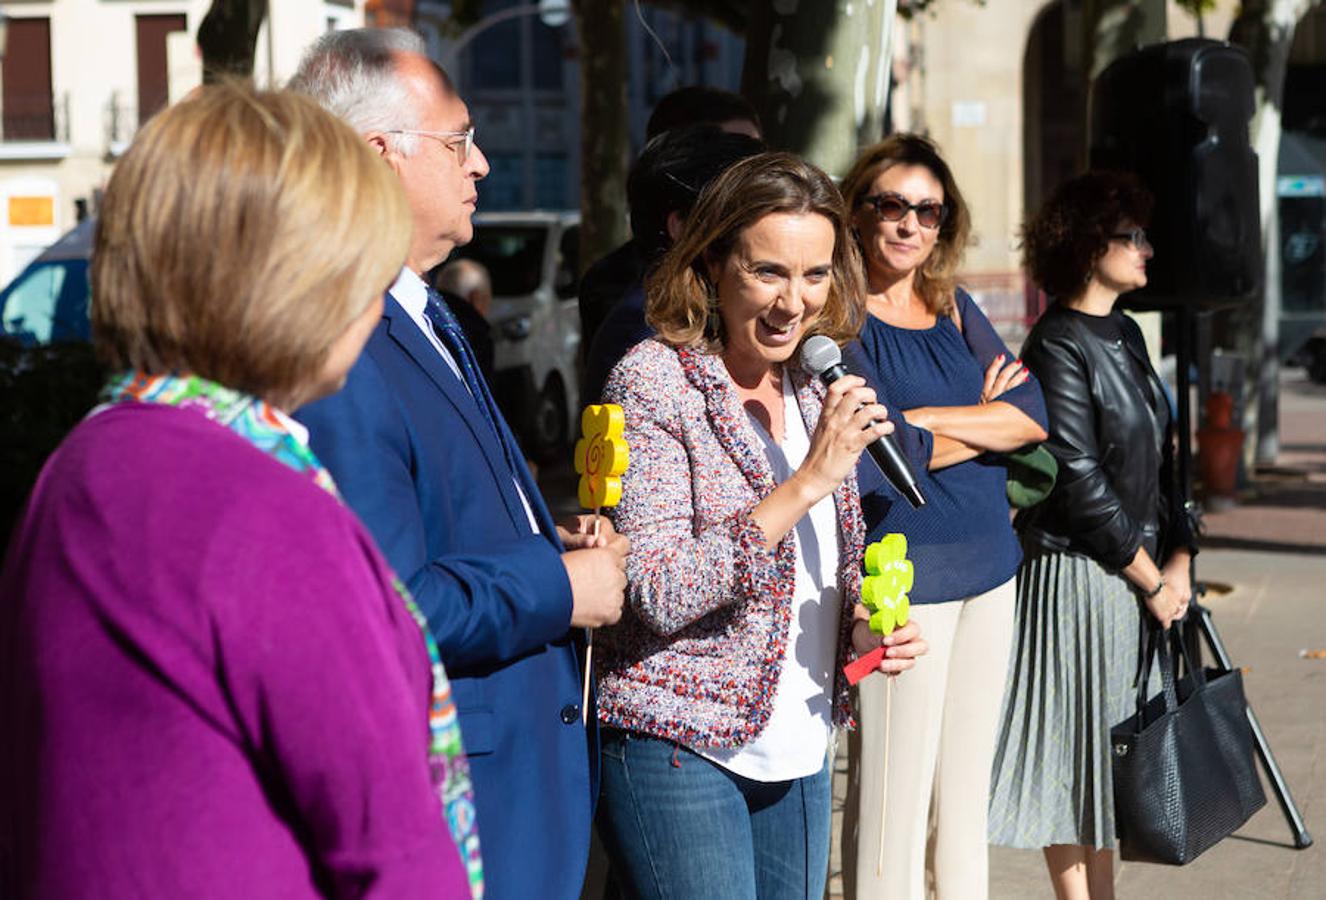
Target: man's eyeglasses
[
  {"x": 1135, "y": 236},
  {"x": 460, "y": 141},
  {"x": 894, "y": 208}
]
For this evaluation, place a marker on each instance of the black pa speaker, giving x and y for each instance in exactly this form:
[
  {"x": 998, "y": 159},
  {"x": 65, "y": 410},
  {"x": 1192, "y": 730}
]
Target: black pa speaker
[{"x": 1176, "y": 115}]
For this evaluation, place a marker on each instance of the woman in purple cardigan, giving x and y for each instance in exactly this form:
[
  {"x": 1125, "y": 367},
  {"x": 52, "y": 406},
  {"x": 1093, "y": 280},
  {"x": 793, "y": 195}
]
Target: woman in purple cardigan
[
  {"x": 721, "y": 685},
  {"x": 210, "y": 682}
]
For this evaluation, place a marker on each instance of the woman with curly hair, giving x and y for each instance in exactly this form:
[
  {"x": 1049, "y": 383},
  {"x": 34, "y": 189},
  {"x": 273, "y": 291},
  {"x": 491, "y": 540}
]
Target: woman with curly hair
[
  {"x": 1111, "y": 544},
  {"x": 929, "y": 349}
]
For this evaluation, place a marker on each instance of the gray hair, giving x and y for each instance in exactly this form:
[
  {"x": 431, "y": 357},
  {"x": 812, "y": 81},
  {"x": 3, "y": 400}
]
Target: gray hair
[
  {"x": 352, "y": 74},
  {"x": 463, "y": 277}
]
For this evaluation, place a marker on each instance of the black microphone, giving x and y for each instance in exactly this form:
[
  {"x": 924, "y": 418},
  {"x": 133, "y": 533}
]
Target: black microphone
[{"x": 821, "y": 357}]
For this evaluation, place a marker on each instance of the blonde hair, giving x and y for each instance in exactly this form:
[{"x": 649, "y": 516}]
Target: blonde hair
[
  {"x": 937, "y": 279},
  {"x": 680, "y": 292},
  {"x": 240, "y": 235}
]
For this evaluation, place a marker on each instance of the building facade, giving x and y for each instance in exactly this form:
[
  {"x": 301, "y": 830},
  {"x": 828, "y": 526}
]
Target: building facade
[
  {"x": 80, "y": 76},
  {"x": 517, "y": 70}
]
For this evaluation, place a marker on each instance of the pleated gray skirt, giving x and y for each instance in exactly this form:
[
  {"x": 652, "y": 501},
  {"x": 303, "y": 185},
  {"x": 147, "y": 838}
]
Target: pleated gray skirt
[{"x": 1071, "y": 678}]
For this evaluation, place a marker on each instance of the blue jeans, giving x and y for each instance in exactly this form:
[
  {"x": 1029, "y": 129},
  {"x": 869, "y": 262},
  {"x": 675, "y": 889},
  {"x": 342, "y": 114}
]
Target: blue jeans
[{"x": 679, "y": 827}]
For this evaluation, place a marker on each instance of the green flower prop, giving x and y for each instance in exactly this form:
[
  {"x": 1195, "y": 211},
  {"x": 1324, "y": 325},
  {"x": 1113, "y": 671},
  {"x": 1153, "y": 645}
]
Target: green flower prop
[
  {"x": 884, "y": 593},
  {"x": 888, "y": 579}
]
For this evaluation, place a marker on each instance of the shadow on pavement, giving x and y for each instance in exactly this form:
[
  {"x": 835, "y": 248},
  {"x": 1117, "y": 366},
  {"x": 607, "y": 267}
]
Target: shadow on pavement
[
  {"x": 1259, "y": 546},
  {"x": 1284, "y": 845},
  {"x": 1283, "y": 496}
]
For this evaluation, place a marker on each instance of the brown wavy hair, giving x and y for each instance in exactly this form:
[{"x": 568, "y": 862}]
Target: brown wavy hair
[
  {"x": 1062, "y": 242},
  {"x": 680, "y": 289},
  {"x": 937, "y": 278}
]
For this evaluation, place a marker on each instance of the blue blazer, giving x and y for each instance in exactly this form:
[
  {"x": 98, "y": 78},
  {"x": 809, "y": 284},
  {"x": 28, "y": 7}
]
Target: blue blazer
[{"x": 414, "y": 456}]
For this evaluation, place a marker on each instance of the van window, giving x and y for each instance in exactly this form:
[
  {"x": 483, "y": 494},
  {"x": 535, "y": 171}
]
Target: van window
[
  {"x": 567, "y": 280},
  {"x": 47, "y": 303},
  {"x": 513, "y": 255}
]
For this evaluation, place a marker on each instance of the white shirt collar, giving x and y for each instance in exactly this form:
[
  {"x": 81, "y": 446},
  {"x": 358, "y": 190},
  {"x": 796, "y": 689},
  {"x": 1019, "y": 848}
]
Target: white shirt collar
[{"x": 411, "y": 293}]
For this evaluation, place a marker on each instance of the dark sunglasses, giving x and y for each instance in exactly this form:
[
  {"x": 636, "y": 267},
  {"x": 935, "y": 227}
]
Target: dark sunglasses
[{"x": 893, "y": 208}]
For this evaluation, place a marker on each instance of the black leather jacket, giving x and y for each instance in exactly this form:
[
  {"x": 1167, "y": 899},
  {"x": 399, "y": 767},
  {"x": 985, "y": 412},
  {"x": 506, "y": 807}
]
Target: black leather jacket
[{"x": 1112, "y": 434}]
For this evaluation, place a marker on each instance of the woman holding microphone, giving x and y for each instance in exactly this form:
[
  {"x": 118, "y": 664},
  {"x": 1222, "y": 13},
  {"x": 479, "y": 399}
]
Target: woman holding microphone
[{"x": 722, "y": 684}]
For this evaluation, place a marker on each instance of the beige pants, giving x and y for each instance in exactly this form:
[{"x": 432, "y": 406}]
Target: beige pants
[{"x": 945, "y": 717}]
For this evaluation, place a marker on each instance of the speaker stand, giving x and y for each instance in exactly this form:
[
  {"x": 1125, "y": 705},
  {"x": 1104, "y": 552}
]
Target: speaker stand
[{"x": 1206, "y": 626}]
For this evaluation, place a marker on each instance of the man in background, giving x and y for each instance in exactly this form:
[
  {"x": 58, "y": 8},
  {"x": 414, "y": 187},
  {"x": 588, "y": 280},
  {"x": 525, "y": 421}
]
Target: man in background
[
  {"x": 467, "y": 279},
  {"x": 662, "y": 189},
  {"x": 607, "y": 281},
  {"x": 468, "y": 291}
]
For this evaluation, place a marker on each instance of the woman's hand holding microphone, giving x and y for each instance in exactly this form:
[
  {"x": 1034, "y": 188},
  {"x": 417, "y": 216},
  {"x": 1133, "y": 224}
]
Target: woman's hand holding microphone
[{"x": 850, "y": 419}]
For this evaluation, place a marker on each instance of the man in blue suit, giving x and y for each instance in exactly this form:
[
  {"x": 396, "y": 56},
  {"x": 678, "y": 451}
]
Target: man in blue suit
[{"x": 421, "y": 453}]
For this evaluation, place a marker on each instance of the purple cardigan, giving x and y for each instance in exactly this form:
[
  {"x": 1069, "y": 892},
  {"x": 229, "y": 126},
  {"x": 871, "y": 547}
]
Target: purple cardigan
[
  {"x": 697, "y": 653},
  {"x": 207, "y": 685}
]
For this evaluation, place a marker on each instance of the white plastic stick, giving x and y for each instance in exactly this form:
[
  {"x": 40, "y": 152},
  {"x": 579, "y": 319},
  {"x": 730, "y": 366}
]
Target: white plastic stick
[
  {"x": 589, "y": 647},
  {"x": 884, "y": 803},
  {"x": 589, "y": 667}
]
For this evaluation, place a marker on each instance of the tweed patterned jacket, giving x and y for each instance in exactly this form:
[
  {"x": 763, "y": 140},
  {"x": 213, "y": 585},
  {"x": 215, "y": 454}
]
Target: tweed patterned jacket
[{"x": 696, "y": 656}]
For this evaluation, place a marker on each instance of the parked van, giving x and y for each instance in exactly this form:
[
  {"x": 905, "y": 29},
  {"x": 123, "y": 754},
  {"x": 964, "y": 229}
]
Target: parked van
[
  {"x": 47, "y": 302},
  {"x": 532, "y": 259}
]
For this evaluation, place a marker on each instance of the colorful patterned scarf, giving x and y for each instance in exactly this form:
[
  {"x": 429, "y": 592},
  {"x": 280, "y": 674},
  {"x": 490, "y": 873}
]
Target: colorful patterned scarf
[{"x": 258, "y": 423}]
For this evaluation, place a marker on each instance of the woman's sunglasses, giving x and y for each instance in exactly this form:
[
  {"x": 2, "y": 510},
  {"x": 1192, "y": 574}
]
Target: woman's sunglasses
[
  {"x": 894, "y": 208},
  {"x": 1135, "y": 236}
]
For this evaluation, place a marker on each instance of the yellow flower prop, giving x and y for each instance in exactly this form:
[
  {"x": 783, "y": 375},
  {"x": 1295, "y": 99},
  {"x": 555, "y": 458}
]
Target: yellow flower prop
[
  {"x": 601, "y": 458},
  {"x": 601, "y": 455}
]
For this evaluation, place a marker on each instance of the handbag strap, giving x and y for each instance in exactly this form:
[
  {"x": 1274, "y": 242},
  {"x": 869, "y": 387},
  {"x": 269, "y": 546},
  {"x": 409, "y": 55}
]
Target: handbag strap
[
  {"x": 1156, "y": 645},
  {"x": 1179, "y": 637}
]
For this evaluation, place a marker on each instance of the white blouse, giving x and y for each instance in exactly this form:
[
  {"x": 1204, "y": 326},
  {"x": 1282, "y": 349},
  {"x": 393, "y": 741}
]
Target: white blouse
[{"x": 795, "y": 739}]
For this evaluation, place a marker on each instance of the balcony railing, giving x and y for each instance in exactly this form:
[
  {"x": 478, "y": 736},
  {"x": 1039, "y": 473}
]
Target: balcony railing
[
  {"x": 35, "y": 118},
  {"x": 121, "y": 123}
]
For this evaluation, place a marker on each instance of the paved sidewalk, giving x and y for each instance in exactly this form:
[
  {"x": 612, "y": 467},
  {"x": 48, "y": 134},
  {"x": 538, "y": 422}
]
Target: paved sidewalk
[{"x": 1265, "y": 560}]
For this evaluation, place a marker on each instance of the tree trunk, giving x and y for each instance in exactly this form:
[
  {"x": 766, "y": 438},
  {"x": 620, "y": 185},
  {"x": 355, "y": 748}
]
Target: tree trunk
[
  {"x": 1115, "y": 28},
  {"x": 228, "y": 37},
  {"x": 819, "y": 75},
  {"x": 1265, "y": 28},
  {"x": 603, "y": 128}
]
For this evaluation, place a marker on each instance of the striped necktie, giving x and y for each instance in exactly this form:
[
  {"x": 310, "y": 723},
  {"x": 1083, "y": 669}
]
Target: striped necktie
[{"x": 449, "y": 330}]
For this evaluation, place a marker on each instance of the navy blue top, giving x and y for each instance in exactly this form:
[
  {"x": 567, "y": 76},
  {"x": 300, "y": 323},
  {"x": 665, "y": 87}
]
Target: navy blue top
[{"x": 961, "y": 543}]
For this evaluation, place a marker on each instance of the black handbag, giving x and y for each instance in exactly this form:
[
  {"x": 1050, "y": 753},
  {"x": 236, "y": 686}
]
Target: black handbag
[{"x": 1183, "y": 767}]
